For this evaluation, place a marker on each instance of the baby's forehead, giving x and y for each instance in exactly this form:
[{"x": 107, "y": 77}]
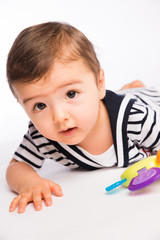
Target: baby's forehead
[
  {"x": 62, "y": 77},
  {"x": 66, "y": 64},
  {"x": 61, "y": 74}
]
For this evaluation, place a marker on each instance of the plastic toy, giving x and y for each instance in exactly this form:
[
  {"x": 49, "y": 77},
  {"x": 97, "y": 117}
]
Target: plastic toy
[{"x": 140, "y": 174}]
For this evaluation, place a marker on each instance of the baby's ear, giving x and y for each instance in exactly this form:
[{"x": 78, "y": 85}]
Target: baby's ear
[{"x": 101, "y": 84}]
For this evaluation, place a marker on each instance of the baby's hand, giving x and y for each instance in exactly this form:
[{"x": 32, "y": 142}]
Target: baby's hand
[{"x": 34, "y": 191}]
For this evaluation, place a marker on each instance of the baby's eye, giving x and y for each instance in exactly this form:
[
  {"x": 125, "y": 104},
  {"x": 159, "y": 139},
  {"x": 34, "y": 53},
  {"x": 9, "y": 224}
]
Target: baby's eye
[
  {"x": 39, "y": 106},
  {"x": 71, "y": 94}
]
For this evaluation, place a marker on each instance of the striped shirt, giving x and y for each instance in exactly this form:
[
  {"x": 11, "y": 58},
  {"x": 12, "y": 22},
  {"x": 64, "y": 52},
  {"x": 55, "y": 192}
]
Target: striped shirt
[{"x": 135, "y": 123}]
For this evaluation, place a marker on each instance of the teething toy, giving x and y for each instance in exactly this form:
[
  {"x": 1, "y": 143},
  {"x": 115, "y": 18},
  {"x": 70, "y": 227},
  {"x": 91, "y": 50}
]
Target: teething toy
[{"x": 140, "y": 174}]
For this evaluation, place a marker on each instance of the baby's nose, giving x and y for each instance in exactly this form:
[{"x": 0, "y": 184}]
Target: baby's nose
[{"x": 60, "y": 115}]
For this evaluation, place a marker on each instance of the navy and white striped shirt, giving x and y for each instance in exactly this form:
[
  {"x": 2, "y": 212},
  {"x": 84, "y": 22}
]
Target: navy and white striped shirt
[{"x": 135, "y": 123}]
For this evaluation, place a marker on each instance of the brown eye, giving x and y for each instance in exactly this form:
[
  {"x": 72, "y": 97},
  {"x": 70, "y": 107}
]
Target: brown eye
[
  {"x": 39, "y": 106},
  {"x": 71, "y": 94}
]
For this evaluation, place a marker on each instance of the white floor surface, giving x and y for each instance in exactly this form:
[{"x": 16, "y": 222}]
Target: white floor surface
[{"x": 126, "y": 34}]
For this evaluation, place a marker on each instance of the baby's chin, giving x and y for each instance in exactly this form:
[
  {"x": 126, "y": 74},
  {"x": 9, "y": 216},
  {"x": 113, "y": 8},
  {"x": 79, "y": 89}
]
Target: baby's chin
[
  {"x": 70, "y": 143},
  {"x": 65, "y": 141}
]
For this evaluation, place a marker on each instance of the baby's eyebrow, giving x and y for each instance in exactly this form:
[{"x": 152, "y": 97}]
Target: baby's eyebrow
[
  {"x": 31, "y": 98},
  {"x": 65, "y": 84}
]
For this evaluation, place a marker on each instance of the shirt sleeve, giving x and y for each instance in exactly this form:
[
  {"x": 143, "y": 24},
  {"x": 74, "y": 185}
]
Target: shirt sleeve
[
  {"x": 143, "y": 127},
  {"x": 28, "y": 150}
]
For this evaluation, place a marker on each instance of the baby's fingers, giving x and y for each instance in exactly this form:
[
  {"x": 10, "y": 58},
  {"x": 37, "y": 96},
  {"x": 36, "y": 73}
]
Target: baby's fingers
[
  {"x": 37, "y": 200},
  {"x": 21, "y": 202},
  {"x": 47, "y": 196},
  {"x": 14, "y": 203},
  {"x": 56, "y": 189}
]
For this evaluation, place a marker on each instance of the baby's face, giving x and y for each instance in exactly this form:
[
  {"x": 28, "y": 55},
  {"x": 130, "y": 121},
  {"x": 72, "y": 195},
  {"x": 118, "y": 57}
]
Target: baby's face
[{"x": 65, "y": 106}]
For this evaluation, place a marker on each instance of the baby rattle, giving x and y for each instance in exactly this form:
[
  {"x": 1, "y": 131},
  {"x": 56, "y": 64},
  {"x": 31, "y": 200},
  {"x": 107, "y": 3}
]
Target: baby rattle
[{"x": 140, "y": 174}]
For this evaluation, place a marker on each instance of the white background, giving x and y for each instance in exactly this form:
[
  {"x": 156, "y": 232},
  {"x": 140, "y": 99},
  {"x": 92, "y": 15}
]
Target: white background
[{"x": 126, "y": 34}]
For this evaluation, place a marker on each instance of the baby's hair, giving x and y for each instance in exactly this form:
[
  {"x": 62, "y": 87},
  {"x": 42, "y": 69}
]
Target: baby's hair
[{"x": 37, "y": 47}]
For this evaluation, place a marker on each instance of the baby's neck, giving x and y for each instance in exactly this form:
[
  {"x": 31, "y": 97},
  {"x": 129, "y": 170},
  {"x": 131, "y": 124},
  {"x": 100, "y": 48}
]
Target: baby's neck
[{"x": 97, "y": 149}]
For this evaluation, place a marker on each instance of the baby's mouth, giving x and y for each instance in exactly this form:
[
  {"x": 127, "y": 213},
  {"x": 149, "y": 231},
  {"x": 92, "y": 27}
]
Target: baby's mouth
[{"x": 69, "y": 131}]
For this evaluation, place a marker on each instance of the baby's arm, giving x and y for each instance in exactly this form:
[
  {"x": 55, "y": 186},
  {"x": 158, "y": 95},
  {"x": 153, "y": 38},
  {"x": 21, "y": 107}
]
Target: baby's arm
[{"x": 30, "y": 187}]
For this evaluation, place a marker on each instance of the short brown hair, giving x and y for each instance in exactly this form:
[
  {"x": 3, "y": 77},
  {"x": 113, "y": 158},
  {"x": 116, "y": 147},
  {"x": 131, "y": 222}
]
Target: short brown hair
[{"x": 37, "y": 47}]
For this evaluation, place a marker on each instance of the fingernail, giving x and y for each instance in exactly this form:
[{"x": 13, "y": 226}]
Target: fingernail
[
  {"x": 38, "y": 208},
  {"x": 49, "y": 203},
  {"x": 21, "y": 210},
  {"x": 61, "y": 193},
  {"x": 11, "y": 209}
]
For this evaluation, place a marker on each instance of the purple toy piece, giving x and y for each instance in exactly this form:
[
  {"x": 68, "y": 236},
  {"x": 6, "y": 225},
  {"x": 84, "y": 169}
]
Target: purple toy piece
[{"x": 145, "y": 178}]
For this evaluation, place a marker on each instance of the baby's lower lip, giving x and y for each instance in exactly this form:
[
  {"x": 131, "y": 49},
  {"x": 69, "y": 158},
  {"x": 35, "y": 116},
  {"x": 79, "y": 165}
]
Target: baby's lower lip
[{"x": 69, "y": 131}]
